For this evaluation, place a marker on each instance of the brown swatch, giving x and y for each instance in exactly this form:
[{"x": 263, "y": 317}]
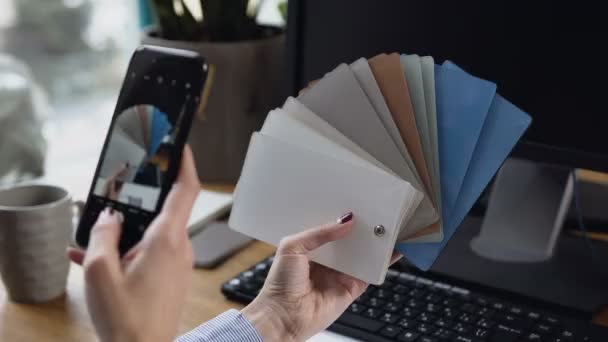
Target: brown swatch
[{"x": 391, "y": 80}]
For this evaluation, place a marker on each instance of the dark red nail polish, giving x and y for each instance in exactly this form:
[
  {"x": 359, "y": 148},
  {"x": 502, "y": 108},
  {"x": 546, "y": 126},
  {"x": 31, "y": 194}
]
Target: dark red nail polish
[{"x": 345, "y": 218}]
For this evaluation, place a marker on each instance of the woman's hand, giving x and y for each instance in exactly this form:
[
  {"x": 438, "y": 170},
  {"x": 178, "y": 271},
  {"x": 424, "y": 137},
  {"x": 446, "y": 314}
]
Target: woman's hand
[
  {"x": 300, "y": 298},
  {"x": 141, "y": 297}
]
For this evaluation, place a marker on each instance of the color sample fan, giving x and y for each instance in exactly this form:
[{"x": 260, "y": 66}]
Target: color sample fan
[{"x": 405, "y": 144}]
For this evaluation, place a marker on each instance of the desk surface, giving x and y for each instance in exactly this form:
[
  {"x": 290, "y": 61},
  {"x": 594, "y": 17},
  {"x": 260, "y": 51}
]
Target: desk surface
[{"x": 66, "y": 318}]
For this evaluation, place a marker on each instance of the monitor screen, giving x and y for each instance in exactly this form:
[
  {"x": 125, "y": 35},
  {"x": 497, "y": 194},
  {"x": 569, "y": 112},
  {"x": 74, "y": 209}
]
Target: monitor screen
[{"x": 545, "y": 57}]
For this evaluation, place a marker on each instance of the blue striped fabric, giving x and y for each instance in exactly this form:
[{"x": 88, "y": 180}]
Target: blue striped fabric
[{"x": 227, "y": 327}]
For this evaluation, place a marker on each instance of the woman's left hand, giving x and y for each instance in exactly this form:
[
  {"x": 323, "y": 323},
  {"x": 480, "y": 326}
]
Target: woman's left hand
[{"x": 300, "y": 298}]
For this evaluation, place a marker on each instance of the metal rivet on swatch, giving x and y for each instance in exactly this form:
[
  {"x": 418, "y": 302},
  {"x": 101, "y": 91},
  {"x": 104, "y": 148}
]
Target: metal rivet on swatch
[{"x": 379, "y": 230}]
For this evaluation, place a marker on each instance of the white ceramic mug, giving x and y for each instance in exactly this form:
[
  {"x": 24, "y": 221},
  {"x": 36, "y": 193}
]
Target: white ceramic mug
[{"x": 36, "y": 223}]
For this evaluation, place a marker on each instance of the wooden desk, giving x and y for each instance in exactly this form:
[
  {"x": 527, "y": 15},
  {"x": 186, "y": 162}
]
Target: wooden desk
[{"x": 66, "y": 318}]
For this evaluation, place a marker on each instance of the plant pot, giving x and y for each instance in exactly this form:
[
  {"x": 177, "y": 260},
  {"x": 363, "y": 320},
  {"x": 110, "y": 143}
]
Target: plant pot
[{"x": 246, "y": 85}]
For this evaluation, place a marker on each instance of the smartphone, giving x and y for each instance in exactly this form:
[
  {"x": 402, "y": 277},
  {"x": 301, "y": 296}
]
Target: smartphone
[{"x": 142, "y": 152}]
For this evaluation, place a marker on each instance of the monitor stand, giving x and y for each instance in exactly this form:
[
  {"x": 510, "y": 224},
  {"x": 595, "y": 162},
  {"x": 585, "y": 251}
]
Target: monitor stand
[
  {"x": 524, "y": 220},
  {"x": 526, "y": 211}
]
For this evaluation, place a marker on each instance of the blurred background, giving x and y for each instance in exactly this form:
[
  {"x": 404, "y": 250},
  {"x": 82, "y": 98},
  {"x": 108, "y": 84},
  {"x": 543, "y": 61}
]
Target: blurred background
[{"x": 62, "y": 64}]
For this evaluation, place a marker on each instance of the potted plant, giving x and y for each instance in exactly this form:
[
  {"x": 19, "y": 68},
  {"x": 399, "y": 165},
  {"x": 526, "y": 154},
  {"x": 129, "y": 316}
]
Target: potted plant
[{"x": 247, "y": 60}]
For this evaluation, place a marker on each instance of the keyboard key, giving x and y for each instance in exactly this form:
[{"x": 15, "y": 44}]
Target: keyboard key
[
  {"x": 250, "y": 287},
  {"x": 442, "y": 286},
  {"x": 516, "y": 310},
  {"x": 460, "y": 291},
  {"x": 433, "y": 297},
  {"x": 426, "y": 329},
  {"x": 467, "y": 318},
  {"x": 262, "y": 267},
  {"x": 533, "y": 315},
  {"x": 567, "y": 335},
  {"x": 260, "y": 279},
  {"x": 408, "y": 336},
  {"x": 485, "y": 312},
  {"x": 356, "y": 308},
  {"x": 543, "y": 328},
  {"x": 392, "y": 307},
  {"x": 397, "y": 298},
  {"x": 427, "y": 339},
  {"x": 533, "y": 336},
  {"x": 390, "y": 331},
  {"x": 449, "y": 313},
  {"x": 388, "y": 317},
  {"x": 406, "y": 278},
  {"x": 507, "y": 329},
  {"x": 382, "y": 294},
  {"x": 375, "y": 302},
  {"x": 444, "y": 323},
  {"x": 462, "y": 328},
  {"x": 409, "y": 312},
  {"x": 359, "y": 322},
  {"x": 465, "y": 338},
  {"x": 401, "y": 289},
  {"x": 515, "y": 321},
  {"x": 499, "y": 306},
  {"x": 480, "y": 333},
  {"x": 443, "y": 334},
  {"x": 552, "y": 320},
  {"x": 392, "y": 275},
  {"x": 414, "y": 303},
  {"x": 417, "y": 293},
  {"x": 427, "y": 318},
  {"x": 425, "y": 281},
  {"x": 432, "y": 308},
  {"x": 504, "y": 336},
  {"x": 486, "y": 323},
  {"x": 406, "y": 323},
  {"x": 371, "y": 313},
  {"x": 450, "y": 302},
  {"x": 482, "y": 301}
]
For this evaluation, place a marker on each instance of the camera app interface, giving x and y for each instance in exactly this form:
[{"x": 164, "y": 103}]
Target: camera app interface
[{"x": 137, "y": 156}]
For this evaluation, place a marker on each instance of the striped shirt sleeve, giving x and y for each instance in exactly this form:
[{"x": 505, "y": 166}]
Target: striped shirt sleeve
[{"x": 229, "y": 326}]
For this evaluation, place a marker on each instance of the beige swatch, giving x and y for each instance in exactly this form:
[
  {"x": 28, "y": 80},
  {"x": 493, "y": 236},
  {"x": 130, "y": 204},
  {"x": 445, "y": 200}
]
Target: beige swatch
[{"x": 390, "y": 77}]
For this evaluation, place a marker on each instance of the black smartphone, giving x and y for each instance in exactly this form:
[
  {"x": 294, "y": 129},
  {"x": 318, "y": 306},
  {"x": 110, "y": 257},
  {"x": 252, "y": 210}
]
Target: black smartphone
[{"x": 142, "y": 152}]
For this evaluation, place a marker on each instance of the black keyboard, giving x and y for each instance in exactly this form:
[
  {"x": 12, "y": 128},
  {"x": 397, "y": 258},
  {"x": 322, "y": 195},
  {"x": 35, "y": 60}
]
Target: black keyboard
[
  {"x": 415, "y": 308},
  {"x": 409, "y": 307}
]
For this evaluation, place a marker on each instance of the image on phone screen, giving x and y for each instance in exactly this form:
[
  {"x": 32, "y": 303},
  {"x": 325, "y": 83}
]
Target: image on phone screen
[{"x": 137, "y": 156}]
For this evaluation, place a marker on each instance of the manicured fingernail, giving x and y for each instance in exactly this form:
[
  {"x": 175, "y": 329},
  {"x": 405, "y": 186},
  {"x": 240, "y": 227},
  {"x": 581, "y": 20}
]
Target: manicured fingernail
[
  {"x": 104, "y": 215},
  {"x": 345, "y": 218},
  {"x": 121, "y": 217}
]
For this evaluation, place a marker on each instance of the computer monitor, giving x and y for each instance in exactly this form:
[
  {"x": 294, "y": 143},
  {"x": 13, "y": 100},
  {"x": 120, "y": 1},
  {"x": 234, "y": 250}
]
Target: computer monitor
[{"x": 546, "y": 57}]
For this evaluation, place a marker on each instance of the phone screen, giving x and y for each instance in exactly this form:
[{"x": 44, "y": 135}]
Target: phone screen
[{"x": 142, "y": 152}]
